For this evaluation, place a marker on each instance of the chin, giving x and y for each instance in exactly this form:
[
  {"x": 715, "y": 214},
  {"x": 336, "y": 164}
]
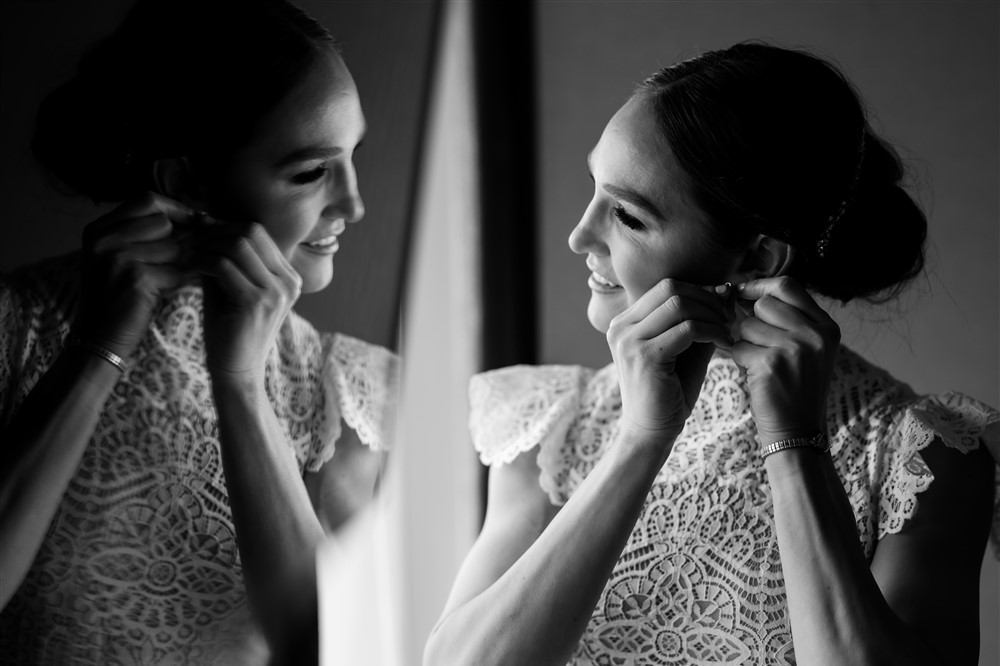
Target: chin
[
  {"x": 600, "y": 315},
  {"x": 315, "y": 279}
]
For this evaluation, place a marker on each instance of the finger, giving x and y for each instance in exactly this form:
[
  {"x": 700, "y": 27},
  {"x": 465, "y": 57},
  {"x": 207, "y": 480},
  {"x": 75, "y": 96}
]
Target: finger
[
  {"x": 165, "y": 251},
  {"x": 261, "y": 241},
  {"x": 132, "y": 230},
  {"x": 784, "y": 288},
  {"x": 672, "y": 312},
  {"x": 746, "y": 354},
  {"x": 761, "y": 334},
  {"x": 149, "y": 203},
  {"x": 663, "y": 290},
  {"x": 241, "y": 253},
  {"x": 162, "y": 277},
  {"x": 778, "y": 313},
  {"x": 676, "y": 340},
  {"x": 267, "y": 250},
  {"x": 231, "y": 279}
]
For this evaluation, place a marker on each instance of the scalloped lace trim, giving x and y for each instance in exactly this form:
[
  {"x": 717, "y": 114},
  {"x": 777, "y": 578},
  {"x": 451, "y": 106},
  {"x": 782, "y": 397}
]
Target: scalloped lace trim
[
  {"x": 515, "y": 409},
  {"x": 962, "y": 423},
  {"x": 363, "y": 380}
]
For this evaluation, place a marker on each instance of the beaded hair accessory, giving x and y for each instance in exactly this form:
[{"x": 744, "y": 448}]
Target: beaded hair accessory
[{"x": 823, "y": 242}]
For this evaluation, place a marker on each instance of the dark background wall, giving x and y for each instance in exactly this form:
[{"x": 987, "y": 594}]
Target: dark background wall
[
  {"x": 387, "y": 46},
  {"x": 931, "y": 73}
]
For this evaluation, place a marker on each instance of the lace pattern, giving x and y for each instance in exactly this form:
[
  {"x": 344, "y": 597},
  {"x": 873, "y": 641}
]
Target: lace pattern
[
  {"x": 700, "y": 580},
  {"x": 140, "y": 563}
]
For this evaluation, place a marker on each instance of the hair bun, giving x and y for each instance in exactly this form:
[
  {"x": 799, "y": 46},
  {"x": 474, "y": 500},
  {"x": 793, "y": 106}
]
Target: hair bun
[{"x": 876, "y": 247}]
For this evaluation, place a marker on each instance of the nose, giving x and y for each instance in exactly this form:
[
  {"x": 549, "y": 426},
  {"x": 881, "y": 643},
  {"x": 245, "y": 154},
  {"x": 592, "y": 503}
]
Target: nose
[
  {"x": 587, "y": 235},
  {"x": 344, "y": 198}
]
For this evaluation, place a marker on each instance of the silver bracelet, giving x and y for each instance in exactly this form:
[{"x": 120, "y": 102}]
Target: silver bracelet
[
  {"x": 105, "y": 353},
  {"x": 818, "y": 442}
]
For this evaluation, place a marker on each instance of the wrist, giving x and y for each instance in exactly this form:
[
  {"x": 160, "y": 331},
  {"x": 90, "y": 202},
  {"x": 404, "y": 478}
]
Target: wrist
[
  {"x": 816, "y": 441},
  {"x": 656, "y": 443},
  {"x": 94, "y": 370},
  {"x": 230, "y": 383},
  {"x": 791, "y": 470},
  {"x": 95, "y": 356}
]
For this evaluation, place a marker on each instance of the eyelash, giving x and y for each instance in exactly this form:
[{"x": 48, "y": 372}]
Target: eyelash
[
  {"x": 310, "y": 176},
  {"x": 626, "y": 219}
]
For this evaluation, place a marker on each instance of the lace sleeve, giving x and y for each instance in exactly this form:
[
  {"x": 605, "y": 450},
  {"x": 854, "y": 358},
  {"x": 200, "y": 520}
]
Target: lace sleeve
[
  {"x": 13, "y": 343},
  {"x": 35, "y": 306},
  {"x": 518, "y": 408},
  {"x": 959, "y": 421},
  {"x": 359, "y": 382}
]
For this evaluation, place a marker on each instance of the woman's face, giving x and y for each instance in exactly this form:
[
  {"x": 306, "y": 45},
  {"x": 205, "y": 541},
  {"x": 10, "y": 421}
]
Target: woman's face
[
  {"x": 296, "y": 177},
  {"x": 641, "y": 226}
]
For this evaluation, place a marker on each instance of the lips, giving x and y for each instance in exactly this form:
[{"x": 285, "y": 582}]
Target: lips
[
  {"x": 599, "y": 282},
  {"x": 327, "y": 243},
  {"x": 323, "y": 243}
]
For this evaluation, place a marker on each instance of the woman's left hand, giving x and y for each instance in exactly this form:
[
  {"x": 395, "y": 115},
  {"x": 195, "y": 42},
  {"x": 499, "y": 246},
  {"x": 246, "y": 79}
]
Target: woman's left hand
[
  {"x": 788, "y": 348},
  {"x": 249, "y": 290}
]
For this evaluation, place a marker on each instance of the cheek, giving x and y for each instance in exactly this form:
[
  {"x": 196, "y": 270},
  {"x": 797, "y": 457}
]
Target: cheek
[
  {"x": 288, "y": 220},
  {"x": 287, "y": 217},
  {"x": 288, "y": 228},
  {"x": 639, "y": 271}
]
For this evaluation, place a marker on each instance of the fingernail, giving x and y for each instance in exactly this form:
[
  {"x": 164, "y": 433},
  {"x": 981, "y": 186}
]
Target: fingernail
[
  {"x": 741, "y": 286},
  {"x": 723, "y": 289}
]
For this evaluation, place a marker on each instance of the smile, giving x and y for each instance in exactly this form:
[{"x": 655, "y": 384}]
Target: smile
[
  {"x": 599, "y": 283},
  {"x": 327, "y": 245}
]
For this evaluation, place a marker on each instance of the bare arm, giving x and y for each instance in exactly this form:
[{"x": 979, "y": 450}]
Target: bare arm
[
  {"x": 527, "y": 591},
  {"x": 281, "y": 518},
  {"x": 918, "y": 602},
  {"x": 43, "y": 445},
  {"x": 276, "y": 526},
  {"x": 278, "y": 515},
  {"x": 129, "y": 259}
]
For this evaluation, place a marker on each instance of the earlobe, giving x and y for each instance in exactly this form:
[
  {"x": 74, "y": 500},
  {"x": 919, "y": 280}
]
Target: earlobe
[
  {"x": 173, "y": 177},
  {"x": 766, "y": 257}
]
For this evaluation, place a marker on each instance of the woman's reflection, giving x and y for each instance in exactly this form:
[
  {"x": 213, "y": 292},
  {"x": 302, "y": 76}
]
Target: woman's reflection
[{"x": 169, "y": 422}]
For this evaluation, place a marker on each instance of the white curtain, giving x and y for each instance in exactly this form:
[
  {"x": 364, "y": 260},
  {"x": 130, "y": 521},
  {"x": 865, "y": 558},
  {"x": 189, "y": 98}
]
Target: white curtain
[{"x": 384, "y": 580}]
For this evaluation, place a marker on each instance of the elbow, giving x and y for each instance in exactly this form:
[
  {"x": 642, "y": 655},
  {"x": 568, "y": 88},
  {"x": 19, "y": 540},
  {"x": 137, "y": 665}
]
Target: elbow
[
  {"x": 449, "y": 647},
  {"x": 436, "y": 652}
]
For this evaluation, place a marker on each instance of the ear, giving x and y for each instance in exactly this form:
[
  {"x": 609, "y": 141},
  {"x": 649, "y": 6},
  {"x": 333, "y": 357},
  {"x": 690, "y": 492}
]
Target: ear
[
  {"x": 765, "y": 257},
  {"x": 173, "y": 177}
]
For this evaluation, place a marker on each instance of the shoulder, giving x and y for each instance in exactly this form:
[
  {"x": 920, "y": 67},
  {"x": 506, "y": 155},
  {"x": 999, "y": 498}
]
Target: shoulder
[
  {"x": 516, "y": 408},
  {"x": 44, "y": 293},
  {"x": 336, "y": 377},
  {"x": 530, "y": 418},
  {"x": 891, "y": 445},
  {"x": 37, "y": 304},
  {"x": 866, "y": 399}
]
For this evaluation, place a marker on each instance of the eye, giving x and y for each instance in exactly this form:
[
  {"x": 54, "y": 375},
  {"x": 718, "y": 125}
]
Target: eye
[
  {"x": 310, "y": 176},
  {"x": 626, "y": 219}
]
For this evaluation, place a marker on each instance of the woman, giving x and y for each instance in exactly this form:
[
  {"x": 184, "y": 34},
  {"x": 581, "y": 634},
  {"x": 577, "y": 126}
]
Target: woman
[
  {"x": 735, "y": 479},
  {"x": 161, "y": 403}
]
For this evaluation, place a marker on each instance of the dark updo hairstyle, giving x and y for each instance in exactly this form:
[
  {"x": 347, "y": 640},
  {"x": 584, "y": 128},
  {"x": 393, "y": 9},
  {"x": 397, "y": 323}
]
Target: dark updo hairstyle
[
  {"x": 178, "y": 78},
  {"x": 776, "y": 141}
]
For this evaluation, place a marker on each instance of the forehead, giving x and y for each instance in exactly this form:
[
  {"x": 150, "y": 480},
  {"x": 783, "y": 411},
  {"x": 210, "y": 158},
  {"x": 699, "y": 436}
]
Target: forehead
[
  {"x": 323, "y": 109},
  {"x": 632, "y": 152}
]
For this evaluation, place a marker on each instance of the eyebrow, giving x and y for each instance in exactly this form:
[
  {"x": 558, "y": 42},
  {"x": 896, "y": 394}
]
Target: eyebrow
[
  {"x": 308, "y": 153},
  {"x": 629, "y": 195},
  {"x": 315, "y": 152}
]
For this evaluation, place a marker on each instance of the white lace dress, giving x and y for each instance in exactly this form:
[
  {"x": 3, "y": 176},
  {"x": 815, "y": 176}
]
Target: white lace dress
[
  {"x": 699, "y": 581},
  {"x": 140, "y": 565}
]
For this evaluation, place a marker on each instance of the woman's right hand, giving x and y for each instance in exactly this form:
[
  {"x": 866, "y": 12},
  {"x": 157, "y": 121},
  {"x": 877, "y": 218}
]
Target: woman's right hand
[
  {"x": 130, "y": 257},
  {"x": 661, "y": 346}
]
